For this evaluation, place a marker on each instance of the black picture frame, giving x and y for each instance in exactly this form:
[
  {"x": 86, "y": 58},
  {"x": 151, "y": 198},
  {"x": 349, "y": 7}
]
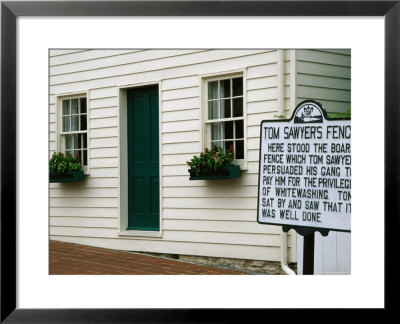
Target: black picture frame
[{"x": 10, "y": 10}]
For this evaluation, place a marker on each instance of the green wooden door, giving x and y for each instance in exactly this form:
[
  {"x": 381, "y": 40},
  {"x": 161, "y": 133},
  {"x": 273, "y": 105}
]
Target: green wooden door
[{"x": 143, "y": 159}]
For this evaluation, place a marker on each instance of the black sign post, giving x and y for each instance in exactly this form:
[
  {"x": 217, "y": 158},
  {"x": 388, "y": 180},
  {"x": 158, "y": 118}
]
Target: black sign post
[
  {"x": 308, "y": 254},
  {"x": 305, "y": 175}
]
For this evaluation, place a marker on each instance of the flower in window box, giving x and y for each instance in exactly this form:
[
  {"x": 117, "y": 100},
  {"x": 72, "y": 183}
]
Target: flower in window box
[
  {"x": 60, "y": 163},
  {"x": 213, "y": 163},
  {"x": 65, "y": 168}
]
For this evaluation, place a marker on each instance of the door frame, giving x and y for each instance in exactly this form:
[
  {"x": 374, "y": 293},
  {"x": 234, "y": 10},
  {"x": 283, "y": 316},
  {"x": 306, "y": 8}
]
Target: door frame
[{"x": 123, "y": 161}]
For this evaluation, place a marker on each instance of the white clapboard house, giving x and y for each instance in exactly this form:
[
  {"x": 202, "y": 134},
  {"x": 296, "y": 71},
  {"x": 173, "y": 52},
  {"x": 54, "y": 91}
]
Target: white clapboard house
[{"x": 144, "y": 113}]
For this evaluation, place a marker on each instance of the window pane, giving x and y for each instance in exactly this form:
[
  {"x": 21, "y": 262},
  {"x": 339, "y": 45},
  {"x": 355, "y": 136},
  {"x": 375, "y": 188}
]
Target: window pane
[
  {"x": 216, "y": 131},
  {"x": 74, "y": 106},
  {"x": 219, "y": 144},
  {"x": 239, "y": 129},
  {"x": 68, "y": 153},
  {"x": 83, "y": 105},
  {"x": 213, "y": 90},
  {"x": 75, "y": 123},
  {"x": 228, "y": 130},
  {"x": 225, "y": 108},
  {"x": 84, "y": 162},
  {"x": 237, "y": 87},
  {"x": 83, "y": 122},
  {"x": 213, "y": 109},
  {"x": 239, "y": 149},
  {"x": 65, "y": 104},
  {"x": 77, "y": 141},
  {"x": 69, "y": 141},
  {"x": 238, "y": 107},
  {"x": 228, "y": 144},
  {"x": 66, "y": 124},
  {"x": 84, "y": 144},
  {"x": 77, "y": 154},
  {"x": 225, "y": 88}
]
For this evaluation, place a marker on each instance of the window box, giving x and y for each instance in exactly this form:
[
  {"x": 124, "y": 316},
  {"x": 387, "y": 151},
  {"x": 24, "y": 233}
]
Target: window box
[
  {"x": 226, "y": 172},
  {"x": 69, "y": 176}
]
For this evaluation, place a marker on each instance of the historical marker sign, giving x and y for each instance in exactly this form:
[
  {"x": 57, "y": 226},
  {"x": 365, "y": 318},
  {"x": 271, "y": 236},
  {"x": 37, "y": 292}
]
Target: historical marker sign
[{"x": 305, "y": 170}]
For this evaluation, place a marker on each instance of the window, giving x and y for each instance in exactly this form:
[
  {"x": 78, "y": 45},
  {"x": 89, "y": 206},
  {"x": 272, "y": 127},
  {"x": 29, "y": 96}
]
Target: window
[
  {"x": 73, "y": 130},
  {"x": 224, "y": 124}
]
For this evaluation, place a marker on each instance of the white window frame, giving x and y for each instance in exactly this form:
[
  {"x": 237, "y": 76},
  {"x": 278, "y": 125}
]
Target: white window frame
[
  {"x": 62, "y": 135},
  {"x": 207, "y": 123}
]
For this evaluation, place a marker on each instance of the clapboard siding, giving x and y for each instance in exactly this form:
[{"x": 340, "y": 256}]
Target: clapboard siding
[
  {"x": 324, "y": 75},
  {"x": 262, "y": 107},
  {"x": 101, "y": 93},
  {"x": 104, "y": 162},
  {"x": 324, "y": 57},
  {"x": 263, "y": 70},
  {"x": 84, "y": 192},
  {"x": 85, "y": 55},
  {"x": 173, "y": 170},
  {"x": 191, "y": 92},
  {"x": 209, "y": 214},
  {"x": 253, "y": 156},
  {"x": 83, "y": 231},
  {"x": 255, "y": 119},
  {"x": 89, "y": 182},
  {"x": 104, "y": 132},
  {"x": 58, "y": 52},
  {"x": 324, "y": 82},
  {"x": 190, "y": 136},
  {"x": 74, "y": 84},
  {"x": 336, "y": 51},
  {"x": 84, "y": 212},
  {"x": 90, "y": 222},
  {"x": 104, "y": 102},
  {"x": 191, "y": 147},
  {"x": 52, "y": 127},
  {"x": 104, "y": 152},
  {"x": 254, "y": 131},
  {"x": 121, "y": 60},
  {"x": 187, "y": 62},
  {"x": 52, "y": 118},
  {"x": 216, "y": 191},
  {"x": 183, "y": 180},
  {"x": 213, "y": 203},
  {"x": 218, "y": 226},
  {"x": 323, "y": 93},
  {"x": 214, "y": 218},
  {"x": 176, "y": 159},
  {"x": 262, "y": 82},
  {"x": 180, "y": 104},
  {"x": 83, "y": 202},
  {"x": 182, "y": 82},
  {"x": 104, "y": 142},
  {"x": 104, "y": 173},
  {"x": 253, "y": 143},
  {"x": 320, "y": 69},
  {"x": 103, "y": 122},
  {"x": 189, "y": 114},
  {"x": 180, "y": 126},
  {"x": 262, "y": 94}
]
